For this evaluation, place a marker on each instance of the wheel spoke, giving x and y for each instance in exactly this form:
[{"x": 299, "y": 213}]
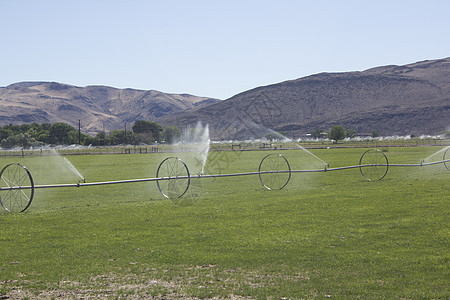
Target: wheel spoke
[
  {"x": 373, "y": 165},
  {"x": 274, "y": 172},
  {"x": 18, "y": 188},
  {"x": 173, "y": 168}
]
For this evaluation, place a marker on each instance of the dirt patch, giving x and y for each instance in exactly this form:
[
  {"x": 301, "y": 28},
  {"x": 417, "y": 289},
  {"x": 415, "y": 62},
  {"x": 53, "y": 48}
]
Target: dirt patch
[{"x": 195, "y": 282}]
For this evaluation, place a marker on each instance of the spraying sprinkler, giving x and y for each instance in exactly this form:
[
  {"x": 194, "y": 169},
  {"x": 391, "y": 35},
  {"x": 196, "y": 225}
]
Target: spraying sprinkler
[{"x": 173, "y": 177}]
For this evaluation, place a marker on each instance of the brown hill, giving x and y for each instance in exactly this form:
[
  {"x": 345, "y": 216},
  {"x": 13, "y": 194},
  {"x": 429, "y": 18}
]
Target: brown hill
[
  {"x": 394, "y": 100},
  {"x": 95, "y": 106},
  {"x": 401, "y": 100}
]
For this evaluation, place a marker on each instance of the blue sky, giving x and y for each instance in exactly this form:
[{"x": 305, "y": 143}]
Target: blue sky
[{"x": 212, "y": 48}]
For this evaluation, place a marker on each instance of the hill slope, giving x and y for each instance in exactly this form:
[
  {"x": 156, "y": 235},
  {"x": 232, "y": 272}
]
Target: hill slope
[
  {"x": 95, "y": 106},
  {"x": 401, "y": 100},
  {"x": 414, "y": 98}
]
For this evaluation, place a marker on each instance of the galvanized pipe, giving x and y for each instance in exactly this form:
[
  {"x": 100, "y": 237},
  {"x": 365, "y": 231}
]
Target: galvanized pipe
[{"x": 215, "y": 176}]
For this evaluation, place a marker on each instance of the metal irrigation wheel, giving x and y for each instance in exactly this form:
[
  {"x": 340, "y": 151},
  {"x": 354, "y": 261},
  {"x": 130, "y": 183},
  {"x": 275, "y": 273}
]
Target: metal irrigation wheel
[
  {"x": 274, "y": 172},
  {"x": 175, "y": 178},
  {"x": 446, "y": 164},
  {"x": 373, "y": 165},
  {"x": 17, "y": 188}
]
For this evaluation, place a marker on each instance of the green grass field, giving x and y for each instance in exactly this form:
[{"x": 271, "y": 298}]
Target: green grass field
[{"x": 325, "y": 235}]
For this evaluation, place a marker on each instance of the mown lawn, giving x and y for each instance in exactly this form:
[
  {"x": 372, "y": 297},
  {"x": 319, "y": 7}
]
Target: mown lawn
[{"x": 327, "y": 234}]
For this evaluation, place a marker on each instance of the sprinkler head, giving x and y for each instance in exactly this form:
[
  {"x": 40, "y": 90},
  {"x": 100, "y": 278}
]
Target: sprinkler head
[{"x": 81, "y": 181}]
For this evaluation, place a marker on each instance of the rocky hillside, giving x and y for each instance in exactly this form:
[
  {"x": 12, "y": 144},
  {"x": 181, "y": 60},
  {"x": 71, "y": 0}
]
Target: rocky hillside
[
  {"x": 394, "y": 100},
  {"x": 95, "y": 106}
]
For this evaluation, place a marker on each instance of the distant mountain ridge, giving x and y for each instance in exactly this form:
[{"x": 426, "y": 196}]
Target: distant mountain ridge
[
  {"x": 95, "y": 106},
  {"x": 394, "y": 100}
]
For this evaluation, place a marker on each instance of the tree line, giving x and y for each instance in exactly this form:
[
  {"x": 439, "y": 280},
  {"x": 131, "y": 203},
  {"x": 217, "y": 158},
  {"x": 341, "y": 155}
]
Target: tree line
[{"x": 36, "y": 135}]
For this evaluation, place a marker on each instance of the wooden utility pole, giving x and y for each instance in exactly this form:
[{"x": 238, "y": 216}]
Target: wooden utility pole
[
  {"x": 125, "y": 133},
  {"x": 79, "y": 132}
]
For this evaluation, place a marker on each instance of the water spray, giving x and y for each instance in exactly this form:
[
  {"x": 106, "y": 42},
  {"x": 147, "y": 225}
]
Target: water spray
[
  {"x": 315, "y": 156},
  {"x": 442, "y": 150},
  {"x": 173, "y": 177}
]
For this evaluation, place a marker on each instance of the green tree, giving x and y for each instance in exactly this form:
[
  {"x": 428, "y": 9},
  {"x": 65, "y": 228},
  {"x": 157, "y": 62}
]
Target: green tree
[
  {"x": 145, "y": 127},
  {"x": 27, "y": 135},
  {"x": 119, "y": 137},
  {"x": 272, "y": 136},
  {"x": 86, "y": 139},
  {"x": 42, "y": 132},
  {"x": 5, "y": 133},
  {"x": 101, "y": 139},
  {"x": 145, "y": 138},
  {"x": 141, "y": 126},
  {"x": 42, "y": 137},
  {"x": 20, "y": 140},
  {"x": 350, "y": 133},
  {"x": 24, "y": 128},
  {"x": 61, "y": 133},
  {"x": 336, "y": 133},
  {"x": 375, "y": 134},
  {"x": 172, "y": 134},
  {"x": 45, "y": 126},
  {"x": 316, "y": 134},
  {"x": 447, "y": 134},
  {"x": 15, "y": 129}
]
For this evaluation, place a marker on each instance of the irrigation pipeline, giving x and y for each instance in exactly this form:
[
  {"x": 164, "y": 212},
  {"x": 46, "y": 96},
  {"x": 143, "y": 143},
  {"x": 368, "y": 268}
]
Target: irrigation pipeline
[{"x": 82, "y": 184}]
